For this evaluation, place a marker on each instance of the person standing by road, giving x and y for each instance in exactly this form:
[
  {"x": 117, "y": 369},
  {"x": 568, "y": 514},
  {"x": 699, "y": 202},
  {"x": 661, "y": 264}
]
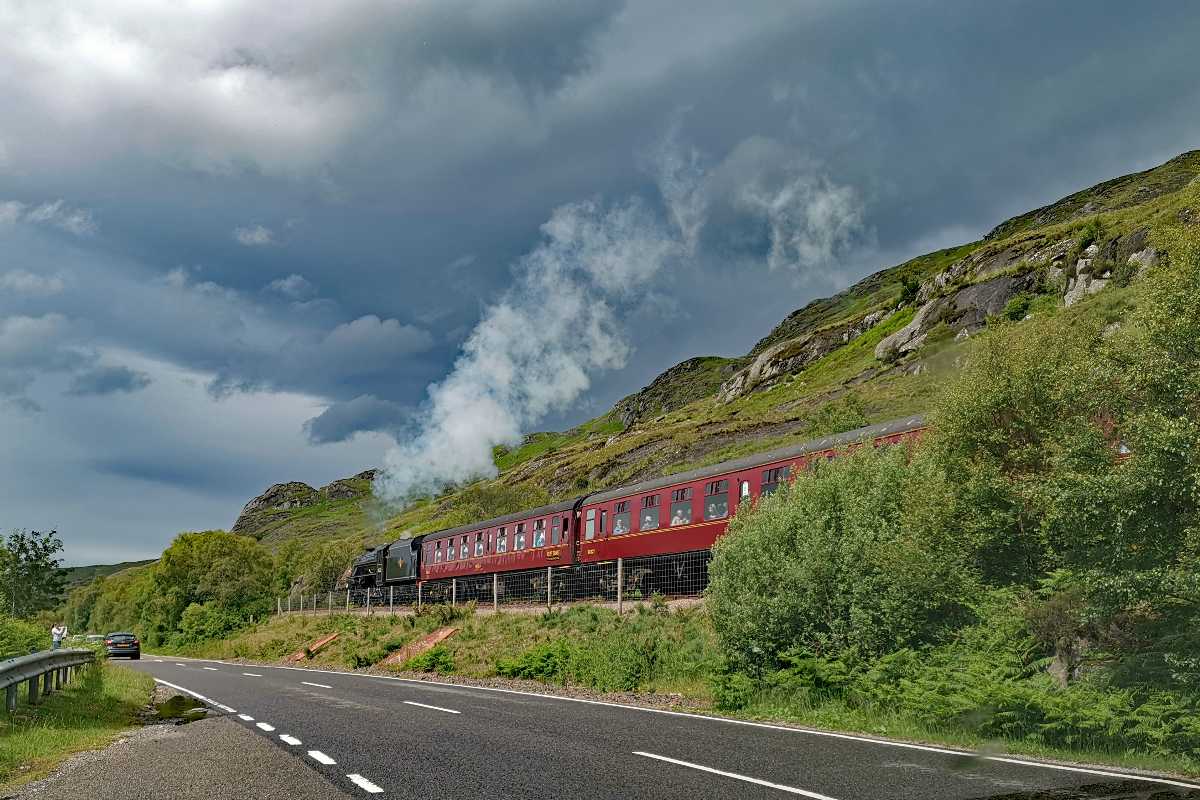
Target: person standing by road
[{"x": 57, "y": 634}]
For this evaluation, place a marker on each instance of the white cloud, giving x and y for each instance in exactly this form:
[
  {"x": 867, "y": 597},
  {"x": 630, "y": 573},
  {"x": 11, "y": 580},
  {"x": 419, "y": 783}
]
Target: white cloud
[
  {"x": 27, "y": 283},
  {"x": 294, "y": 287},
  {"x": 73, "y": 220},
  {"x": 254, "y": 236}
]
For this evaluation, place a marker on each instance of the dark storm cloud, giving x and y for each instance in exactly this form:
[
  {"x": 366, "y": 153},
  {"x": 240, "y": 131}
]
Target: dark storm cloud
[
  {"x": 266, "y": 203},
  {"x": 108, "y": 380},
  {"x": 361, "y": 414}
]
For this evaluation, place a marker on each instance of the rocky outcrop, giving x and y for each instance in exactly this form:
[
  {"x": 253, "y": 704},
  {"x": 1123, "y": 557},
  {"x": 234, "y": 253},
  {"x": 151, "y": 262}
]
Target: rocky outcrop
[
  {"x": 793, "y": 355},
  {"x": 966, "y": 310},
  {"x": 683, "y": 383},
  {"x": 296, "y": 494}
]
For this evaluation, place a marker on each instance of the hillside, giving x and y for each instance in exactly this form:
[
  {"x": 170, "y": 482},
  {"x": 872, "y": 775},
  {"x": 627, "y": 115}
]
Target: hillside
[
  {"x": 78, "y": 576},
  {"x": 877, "y": 350}
]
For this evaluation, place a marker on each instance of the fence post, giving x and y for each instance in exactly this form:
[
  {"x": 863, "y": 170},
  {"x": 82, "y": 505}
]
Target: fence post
[
  {"x": 549, "y": 583},
  {"x": 33, "y": 691},
  {"x": 368, "y": 602},
  {"x": 419, "y": 584},
  {"x": 347, "y": 601},
  {"x": 289, "y": 602},
  {"x": 620, "y": 586},
  {"x": 10, "y": 698},
  {"x": 278, "y": 605},
  {"x": 302, "y": 602},
  {"x": 330, "y": 607},
  {"x": 454, "y": 591},
  {"x": 495, "y": 592},
  {"x": 392, "y": 601},
  {"x": 47, "y": 683}
]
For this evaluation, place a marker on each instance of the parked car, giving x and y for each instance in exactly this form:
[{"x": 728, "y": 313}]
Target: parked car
[{"x": 123, "y": 644}]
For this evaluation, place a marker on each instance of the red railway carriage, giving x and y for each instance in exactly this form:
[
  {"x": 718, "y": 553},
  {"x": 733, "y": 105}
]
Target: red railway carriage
[
  {"x": 688, "y": 511},
  {"x": 540, "y": 537},
  {"x": 680, "y": 513}
]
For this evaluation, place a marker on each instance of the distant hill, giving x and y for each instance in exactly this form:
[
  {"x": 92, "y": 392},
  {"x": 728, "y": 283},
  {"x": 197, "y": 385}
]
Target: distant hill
[
  {"x": 877, "y": 350},
  {"x": 77, "y": 576}
]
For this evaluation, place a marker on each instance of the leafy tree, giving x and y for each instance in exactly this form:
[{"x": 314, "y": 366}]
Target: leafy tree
[{"x": 33, "y": 577}]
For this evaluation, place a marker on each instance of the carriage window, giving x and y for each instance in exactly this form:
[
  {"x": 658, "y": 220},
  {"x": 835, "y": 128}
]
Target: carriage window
[
  {"x": 478, "y": 544},
  {"x": 681, "y": 506},
  {"x": 716, "y": 500},
  {"x": 555, "y": 531},
  {"x": 603, "y": 521},
  {"x": 519, "y": 538},
  {"x": 464, "y": 550},
  {"x": 773, "y": 477},
  {"x": 649, "y": 515},
  {"x": 744, "y": 491},
  {"x": 621, "y": 518},
  {"x": 589, "y": 529},
  {"x": 449, "y": 549},
  {"x": 437, "y": 555},
  {"x": 539, "y": 533},
  {"x": 502, "y": 540}
]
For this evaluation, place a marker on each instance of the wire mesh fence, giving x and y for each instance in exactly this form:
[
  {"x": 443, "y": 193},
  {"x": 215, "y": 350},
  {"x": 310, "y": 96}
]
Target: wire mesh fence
[{"x": 623, "y": 581}]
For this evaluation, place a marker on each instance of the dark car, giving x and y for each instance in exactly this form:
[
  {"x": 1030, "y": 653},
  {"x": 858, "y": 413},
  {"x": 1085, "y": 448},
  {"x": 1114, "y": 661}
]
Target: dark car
[{"x": 123, "y": 644}]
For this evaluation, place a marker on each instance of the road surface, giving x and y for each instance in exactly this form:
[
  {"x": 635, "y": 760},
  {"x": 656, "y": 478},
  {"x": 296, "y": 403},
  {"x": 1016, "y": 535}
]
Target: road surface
[{"x": 412, "y": 739}]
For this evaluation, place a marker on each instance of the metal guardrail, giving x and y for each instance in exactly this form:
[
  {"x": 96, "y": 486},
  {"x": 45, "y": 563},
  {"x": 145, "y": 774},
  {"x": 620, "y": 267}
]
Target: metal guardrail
[{"x": 44, "y": 672}]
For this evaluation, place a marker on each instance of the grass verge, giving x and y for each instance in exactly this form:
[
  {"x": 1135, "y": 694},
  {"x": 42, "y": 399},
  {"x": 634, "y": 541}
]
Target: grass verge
[{"x": 98, "y": 705}]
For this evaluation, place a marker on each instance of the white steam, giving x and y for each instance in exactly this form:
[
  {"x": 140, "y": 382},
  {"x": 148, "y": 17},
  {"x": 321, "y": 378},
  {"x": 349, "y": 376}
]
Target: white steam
[{"x": 536, "y": 348}]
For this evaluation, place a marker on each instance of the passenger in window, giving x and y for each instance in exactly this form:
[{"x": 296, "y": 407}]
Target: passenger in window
[
  {"x": 648, "y": 522},
  {"x": 678, "y": 517},
  {"x": 619, "y": 526}
]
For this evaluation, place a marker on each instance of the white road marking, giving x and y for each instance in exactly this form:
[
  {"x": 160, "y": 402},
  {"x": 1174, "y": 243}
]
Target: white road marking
[
  {"x": 252, "y": 674},
  {"x": 435, "y": 708},
  {"x": 364, "y": 784},
  {"x": 212, "y": 669},
  {"x": 158, "y": 661},
  {"x": 246, "y": 717},
  {"x": 748, "y": 723},
  {"x": 292, "y": 740},
  {"x": 746, "y": 778},
  {"x": 265, "y": 726},
  {"x": 181, "y": 665},
  {"x": 318, "y": 685},
  {"x": 321, "y": 758}
]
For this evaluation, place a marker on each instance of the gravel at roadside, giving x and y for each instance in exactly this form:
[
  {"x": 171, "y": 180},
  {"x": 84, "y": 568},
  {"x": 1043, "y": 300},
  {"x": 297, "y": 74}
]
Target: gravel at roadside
[{"x": 211, "y": 759}]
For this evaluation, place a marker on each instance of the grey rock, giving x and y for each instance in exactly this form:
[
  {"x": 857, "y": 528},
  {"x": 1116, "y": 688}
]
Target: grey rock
[{"x": 963, "y": 334}]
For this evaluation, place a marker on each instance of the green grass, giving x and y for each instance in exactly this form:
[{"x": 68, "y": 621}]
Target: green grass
[{"x": 100, "y": 703}]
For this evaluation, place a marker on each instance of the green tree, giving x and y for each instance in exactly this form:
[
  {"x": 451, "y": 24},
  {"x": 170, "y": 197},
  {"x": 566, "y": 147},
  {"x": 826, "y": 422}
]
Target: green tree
[{"x": 33, "y": 577}]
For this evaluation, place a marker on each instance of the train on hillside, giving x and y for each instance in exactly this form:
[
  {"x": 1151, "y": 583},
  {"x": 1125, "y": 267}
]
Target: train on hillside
[{"x": 672, "y": 515}]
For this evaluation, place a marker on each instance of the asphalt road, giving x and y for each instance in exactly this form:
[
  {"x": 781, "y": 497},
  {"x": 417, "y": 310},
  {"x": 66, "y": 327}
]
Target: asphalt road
[{"x": 412, "y": 739}]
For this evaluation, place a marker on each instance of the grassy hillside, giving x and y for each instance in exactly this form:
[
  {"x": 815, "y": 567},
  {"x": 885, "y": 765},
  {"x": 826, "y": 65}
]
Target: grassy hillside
[
  {"x": 78, "y": 576},
  {"x": 819, "y": 370}
]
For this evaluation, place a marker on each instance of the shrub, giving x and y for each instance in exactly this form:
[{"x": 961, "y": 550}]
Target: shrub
[
  {"x": 544, "y": 662},
  {"x": 852, "y": 555},
  {"x": 18, "y": 637},
  {"x": 435, "y": 659},
  {"x": 1017, "y": 307}
]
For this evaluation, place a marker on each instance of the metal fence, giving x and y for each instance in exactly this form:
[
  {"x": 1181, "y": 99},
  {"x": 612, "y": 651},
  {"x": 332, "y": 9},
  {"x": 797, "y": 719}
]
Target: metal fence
[
  {"x": 622, "y": 582},
  {"x": 43, "y": 672}
]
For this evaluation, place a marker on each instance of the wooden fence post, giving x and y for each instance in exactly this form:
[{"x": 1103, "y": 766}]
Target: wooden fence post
[
  {"x": 620, "y": 586},
  {"x": 454, "y": 591},
  {"x": 549, "y": 582},
  {"x": 495, "y": 592}
]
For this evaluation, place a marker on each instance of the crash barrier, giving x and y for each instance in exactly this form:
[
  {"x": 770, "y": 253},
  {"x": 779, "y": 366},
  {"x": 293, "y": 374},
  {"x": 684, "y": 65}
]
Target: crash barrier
[{"x": 44, "y": 672}]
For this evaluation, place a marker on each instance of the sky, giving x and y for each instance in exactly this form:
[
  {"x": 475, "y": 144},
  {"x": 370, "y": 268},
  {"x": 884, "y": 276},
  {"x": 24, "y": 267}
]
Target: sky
[{"x": 249, "y": 242}]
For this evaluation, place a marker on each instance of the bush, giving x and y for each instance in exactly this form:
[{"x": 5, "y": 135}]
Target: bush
[
  {"x": 18, "y": 637},
  {"x": 1017, "y": 307},
  {"x": 435, "y": 659},
  {"x": 544, "y": 662},
  {"x": 852, "y": 555}
]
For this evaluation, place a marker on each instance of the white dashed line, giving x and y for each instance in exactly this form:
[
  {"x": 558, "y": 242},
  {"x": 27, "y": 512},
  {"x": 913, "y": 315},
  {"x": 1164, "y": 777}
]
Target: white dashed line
[
  {"x": 246, "y": 717},
  {"x": 265, "y": 726},
  {"x": 320, "y": 758},
  {"x": 180, "y": 665},
  {"x": 318, "y": 685},
  {"x": 435, "y": 708},
  {"x": 746, "y": 778},
  {"x": 252, "y": 675},
  {"x": 364, "y": 784},
  {"x": 212, "y": 669},
  {"x": 158, "y": 661},
  {"x": 292, "y": 740}
]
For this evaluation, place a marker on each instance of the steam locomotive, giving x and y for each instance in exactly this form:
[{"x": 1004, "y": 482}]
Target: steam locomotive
[{"x": 675, "y": 514}]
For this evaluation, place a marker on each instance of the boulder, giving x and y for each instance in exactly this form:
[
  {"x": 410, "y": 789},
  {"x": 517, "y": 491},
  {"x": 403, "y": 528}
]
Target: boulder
[
  {"x": 279, "y": 497},
  {"x": 1081, "y": 287}
]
